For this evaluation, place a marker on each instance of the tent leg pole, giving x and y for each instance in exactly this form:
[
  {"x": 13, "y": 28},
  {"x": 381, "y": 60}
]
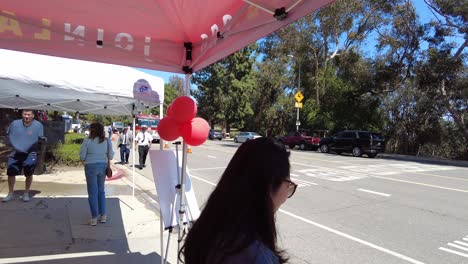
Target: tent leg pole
[
  {"x": 182, "y": 205},
  {"x": 161, "y": 225},
  {"x": 133, "y": 161}
]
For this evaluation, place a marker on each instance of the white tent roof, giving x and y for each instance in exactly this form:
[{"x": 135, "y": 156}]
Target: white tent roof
[{"x": 52, "y": 83}]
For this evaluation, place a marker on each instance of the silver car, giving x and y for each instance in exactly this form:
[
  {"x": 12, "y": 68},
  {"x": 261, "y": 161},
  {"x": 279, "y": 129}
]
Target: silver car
[{"x": 245, "y": 136}]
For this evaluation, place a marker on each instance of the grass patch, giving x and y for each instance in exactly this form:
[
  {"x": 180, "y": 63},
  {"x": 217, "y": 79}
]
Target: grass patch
[{"x": 68, "y": 153}]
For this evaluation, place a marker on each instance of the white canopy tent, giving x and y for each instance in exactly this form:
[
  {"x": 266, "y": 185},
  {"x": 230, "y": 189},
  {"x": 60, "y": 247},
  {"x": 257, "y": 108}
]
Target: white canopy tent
[
  {"x": 39, "y": 82},
  {"x": 52, "y": 83}
]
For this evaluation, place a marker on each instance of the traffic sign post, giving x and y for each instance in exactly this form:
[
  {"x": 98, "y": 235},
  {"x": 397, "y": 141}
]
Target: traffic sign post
[{"x": 299, "y": 97}]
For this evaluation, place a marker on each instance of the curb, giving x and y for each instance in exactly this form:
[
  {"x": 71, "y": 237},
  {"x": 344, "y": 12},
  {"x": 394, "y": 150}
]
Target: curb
[{"x": 440, "y": 161}]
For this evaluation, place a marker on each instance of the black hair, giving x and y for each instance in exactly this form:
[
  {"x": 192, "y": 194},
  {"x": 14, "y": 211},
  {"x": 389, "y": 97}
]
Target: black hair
[{"x": 240, "y": 210}]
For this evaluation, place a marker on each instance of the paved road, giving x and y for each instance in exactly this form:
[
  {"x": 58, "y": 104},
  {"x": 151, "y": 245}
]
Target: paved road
[{"x": 360, "y": 210}]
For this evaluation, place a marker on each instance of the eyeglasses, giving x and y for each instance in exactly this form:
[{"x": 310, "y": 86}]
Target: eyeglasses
[{"x": 291, "y": 187}]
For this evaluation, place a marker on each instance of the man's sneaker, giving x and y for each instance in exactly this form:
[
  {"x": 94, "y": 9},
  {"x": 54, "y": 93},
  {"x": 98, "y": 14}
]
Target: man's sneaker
[
  {"x": 26, "y": 197},
  {"x": 93, "y": 221},
  {"x": 103, "y": 219},
  {"x": 8, "y": 197}
]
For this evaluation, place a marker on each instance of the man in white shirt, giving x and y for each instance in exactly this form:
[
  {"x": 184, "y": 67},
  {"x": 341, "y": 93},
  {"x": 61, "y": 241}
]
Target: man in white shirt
[{"x": 143, "y": 140}]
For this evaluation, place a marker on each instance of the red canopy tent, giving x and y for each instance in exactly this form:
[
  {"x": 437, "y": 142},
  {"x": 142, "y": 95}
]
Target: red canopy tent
[{"x": 180, "y": 36}]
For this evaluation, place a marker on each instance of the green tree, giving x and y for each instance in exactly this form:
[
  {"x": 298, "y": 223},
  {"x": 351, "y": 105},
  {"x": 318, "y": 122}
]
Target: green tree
[{"x": 225, "y": 88}]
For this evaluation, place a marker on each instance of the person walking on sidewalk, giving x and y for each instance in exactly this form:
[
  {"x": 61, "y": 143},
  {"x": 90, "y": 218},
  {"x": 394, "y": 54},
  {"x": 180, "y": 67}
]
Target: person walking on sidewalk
[
  {"x": 143, "y": 139},
  {"x": 237, "y": 224},
  {"x": 125, "y": 140},
  {"x": 95, "y": 151},
  {"x": 24, "y": 135}
]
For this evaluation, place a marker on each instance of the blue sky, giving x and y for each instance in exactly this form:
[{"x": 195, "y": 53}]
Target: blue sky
[{"x": 425, "y": 15}]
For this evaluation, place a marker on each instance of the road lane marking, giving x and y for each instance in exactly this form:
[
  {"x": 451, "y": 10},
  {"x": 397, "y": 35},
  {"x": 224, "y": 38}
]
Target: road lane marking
[
  {"x": 461, "y": 243},
  {"x": 324, "y": 160},
  {"x": 203, "y": 180},
  {"x": 422, "y": 184},
  {"x": 454, "y": 252},
  {"x": 398, "y": 255},
  {"x": 336, "y": 175},
  {"x": 466, "y": 239},
  {"x": 213, "y": 157},
  {"x": 214, "y": 168},
  {"x": 306, "y": 183},
  {"x": 393, "y": 253},
  {"x": 54, "y": 257},
  {"x": 295, "y": 175},
  {"x": 378, "y": 193},
  {"x": 457, "y": 246}
]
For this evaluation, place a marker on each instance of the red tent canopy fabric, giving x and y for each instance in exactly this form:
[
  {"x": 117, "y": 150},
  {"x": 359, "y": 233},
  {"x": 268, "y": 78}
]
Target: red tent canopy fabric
[{"x": 178, "y": 36}]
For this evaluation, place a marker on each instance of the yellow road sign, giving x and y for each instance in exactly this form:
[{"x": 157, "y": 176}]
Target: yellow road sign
[
  {"x": 299, "y": 96},
  {"x": 298, "y": 105}
]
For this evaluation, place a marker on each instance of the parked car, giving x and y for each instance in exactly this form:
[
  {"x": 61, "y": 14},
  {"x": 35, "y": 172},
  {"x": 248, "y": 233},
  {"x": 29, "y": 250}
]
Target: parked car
[
  {"x": 214, "y": 134},
  {"x": 355, "y": 142},
  {"x": 300, "y": 139},
  {"x": 245, "y": 136}
]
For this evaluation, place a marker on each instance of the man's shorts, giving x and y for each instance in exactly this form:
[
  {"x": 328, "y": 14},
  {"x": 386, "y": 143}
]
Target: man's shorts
[{"x": 18, "y": 161}]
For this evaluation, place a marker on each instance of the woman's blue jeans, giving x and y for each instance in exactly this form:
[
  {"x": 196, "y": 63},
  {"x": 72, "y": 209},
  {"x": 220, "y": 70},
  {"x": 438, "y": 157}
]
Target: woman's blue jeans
[{"x": 95, "y": 176}]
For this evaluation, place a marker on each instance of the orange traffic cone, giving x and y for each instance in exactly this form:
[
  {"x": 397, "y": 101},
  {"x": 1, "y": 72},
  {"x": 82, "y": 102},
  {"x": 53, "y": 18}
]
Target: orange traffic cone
[
  {"x": 166, "y": 145},
  {"x": 189, "y": 149}
]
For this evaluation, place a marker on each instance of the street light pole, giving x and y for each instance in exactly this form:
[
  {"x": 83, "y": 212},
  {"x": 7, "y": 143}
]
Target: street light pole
[{"x": 298, "y": 89}]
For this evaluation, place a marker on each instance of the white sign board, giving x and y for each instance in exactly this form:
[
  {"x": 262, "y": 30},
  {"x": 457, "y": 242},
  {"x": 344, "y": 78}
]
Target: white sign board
[{"x": 166, "y": 179}]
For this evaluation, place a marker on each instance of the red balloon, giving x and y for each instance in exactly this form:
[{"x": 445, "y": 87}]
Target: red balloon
[
  {"x": 168, "y": 129},
  {"x": 170, "y": 111},
  {"x": 183, "y": 109},
  {"x": 195, "y": 132}
]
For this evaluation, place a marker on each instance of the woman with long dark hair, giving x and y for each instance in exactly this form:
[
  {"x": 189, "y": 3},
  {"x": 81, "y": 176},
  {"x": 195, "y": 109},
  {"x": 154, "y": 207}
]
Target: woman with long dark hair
[
  {"x": 237, "y": 224},
  {"x": 94, "y": 151}
]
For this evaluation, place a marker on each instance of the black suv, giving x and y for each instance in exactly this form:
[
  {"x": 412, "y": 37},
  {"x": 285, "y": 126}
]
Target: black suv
[{"x": 355, "y": 142}]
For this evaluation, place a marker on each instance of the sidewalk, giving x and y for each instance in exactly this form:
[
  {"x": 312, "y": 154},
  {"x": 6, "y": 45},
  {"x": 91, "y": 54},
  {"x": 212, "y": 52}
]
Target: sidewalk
[{"x": 52, "y": 228}]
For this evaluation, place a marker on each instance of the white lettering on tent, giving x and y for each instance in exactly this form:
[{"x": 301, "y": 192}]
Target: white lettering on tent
[
  {"x": 214, "y": 30},
  {"x": 100, "y": 37},
  {"x": 45, "y": 33},
  {"x": 206, "y": 43},
  {"x": 147, "y": 49},
  {"x": 79, "y": 31},
  {"x": 226, "y": 19},
  {"x": 118, "y": 39}
]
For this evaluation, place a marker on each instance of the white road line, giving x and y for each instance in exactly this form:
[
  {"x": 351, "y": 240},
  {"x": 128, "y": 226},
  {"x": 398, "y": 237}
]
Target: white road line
[
  {"x": 53, "y": 257},
  {"x": 457, "y": 246},
  {"x": 466, "y": 239},
  {"x": 295, "y": 175},
  {"x": 338, "y": 232},
  {"x": 214, "y": 168},
  {"x": 378, "y": 193},
  {"x": 203, "y": 180},
  {"x": 422, "y": 184},
  {"x": 454, "y": 252},
  {"x": 213, "y": 157},
  {"x": 304, "y": 182},
  {"x": 398, "y": 255},
  {"x": 461, "y": 243}
]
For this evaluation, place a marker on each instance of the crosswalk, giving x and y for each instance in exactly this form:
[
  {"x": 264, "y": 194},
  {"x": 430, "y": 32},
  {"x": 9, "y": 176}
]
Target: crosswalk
[
  {"x": 357, "y": 172},
  {"x": 457, "y": 247}
]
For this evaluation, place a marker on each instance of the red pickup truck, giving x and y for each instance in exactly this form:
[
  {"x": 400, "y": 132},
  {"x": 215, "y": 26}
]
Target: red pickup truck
[{"x": 300, "y": 139}]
